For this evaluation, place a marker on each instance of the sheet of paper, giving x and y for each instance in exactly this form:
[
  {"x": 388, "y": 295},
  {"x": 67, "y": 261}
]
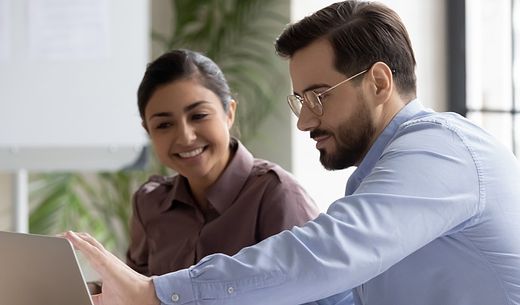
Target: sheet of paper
[
  {"x": 69, "y": 29},
  {"x": 5, "y": 30}
]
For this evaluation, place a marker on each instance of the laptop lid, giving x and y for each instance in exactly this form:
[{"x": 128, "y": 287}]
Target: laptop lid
[{"x": 37, "y": 269}]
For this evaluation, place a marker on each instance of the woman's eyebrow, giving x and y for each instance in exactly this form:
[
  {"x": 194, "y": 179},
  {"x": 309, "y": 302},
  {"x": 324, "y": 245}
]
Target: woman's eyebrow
[
  {"x": 160, "y": 114},
  {"x": 194, "y": 105},
  {"x": 186, "y": 109}
]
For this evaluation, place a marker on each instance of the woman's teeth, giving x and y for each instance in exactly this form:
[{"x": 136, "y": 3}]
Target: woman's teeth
[{"x": 192, "y": 153}]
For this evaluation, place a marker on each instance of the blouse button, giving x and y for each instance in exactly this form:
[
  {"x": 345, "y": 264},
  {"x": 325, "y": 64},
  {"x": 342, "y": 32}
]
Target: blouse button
[
  {"x": 175, "y": 297},
  {"x": 230, "y": 290}
]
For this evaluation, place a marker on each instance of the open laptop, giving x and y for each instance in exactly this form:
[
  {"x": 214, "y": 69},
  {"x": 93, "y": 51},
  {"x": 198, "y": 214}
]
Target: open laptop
[{"x": 37, "y": 269}]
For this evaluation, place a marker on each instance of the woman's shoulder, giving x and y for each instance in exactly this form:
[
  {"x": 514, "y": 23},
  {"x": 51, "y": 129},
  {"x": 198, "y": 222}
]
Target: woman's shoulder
[
  {"x": 155, "y": 187},
  {"x": 283, "y": 192},
  {"x": 261, "y": 169},
  {"x": 157, "y": 181},
  {"x": 271, "y": 170}
]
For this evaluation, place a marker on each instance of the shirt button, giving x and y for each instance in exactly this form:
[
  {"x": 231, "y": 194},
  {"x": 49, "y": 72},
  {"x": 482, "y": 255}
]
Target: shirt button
[
  {"x": 230, "y": 290},
  {"x": 175, "y": 297}
]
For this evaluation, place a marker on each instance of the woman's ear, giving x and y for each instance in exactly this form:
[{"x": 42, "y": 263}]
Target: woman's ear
[
  {"x": 230, "y": 115},
  {"x": 143, "y": 123},
  {"x": 382, "y": 81}
]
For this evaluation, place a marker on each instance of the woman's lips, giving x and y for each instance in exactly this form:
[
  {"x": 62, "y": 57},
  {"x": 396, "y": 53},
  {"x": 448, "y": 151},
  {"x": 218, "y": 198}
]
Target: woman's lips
[{"x": 192, "y": 153}]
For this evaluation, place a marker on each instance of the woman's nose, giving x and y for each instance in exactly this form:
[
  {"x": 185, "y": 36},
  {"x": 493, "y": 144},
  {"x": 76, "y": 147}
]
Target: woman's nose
[{"x": 186, "y": 134}]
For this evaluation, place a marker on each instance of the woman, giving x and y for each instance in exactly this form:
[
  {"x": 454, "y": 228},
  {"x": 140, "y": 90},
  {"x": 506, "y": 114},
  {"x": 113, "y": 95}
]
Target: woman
[{"x": 222, "y": 199}]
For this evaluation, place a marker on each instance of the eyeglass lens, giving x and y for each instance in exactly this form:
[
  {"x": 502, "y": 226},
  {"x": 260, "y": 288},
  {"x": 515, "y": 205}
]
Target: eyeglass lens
[{"x": 310, "y": 98}]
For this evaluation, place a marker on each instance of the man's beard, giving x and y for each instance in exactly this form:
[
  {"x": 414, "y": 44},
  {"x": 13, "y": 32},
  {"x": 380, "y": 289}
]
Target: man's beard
[{"x": 352, "y": 141}]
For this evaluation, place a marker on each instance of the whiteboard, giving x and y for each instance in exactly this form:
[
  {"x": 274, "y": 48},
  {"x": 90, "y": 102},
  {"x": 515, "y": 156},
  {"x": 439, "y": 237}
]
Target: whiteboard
[{"x": 68, "y": 87}]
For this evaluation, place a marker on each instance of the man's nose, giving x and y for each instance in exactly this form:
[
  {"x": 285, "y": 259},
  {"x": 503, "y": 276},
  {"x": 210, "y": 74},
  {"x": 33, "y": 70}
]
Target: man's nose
[{"x": 307, "y": 120}]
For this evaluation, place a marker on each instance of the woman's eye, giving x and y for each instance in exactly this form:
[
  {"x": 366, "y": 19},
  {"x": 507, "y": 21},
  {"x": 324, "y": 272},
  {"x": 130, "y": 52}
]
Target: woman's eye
[
  {"x": 163, "y": 125},
  {"x": 199, "y": 116}
]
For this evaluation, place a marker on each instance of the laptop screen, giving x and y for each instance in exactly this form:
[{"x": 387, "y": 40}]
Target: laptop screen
[{"x": 37, "y": 269}]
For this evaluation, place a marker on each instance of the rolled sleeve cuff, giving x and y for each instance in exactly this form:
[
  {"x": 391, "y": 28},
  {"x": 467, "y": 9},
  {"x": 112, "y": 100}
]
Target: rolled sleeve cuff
[{"x": 174, "y": 288}]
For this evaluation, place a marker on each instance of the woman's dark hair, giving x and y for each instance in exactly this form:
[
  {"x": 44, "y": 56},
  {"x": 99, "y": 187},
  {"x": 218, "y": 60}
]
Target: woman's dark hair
[
  {"x": 361, "y": 33},
  {"x": 182, "y": 64}
]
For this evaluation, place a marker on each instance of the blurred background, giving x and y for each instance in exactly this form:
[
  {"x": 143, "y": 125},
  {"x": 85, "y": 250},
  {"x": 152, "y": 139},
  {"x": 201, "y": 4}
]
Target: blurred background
[{"x": 72, "y": 150}]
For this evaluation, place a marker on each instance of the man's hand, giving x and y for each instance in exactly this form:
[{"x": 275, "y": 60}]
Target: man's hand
[{"x": 121, "y": 284}]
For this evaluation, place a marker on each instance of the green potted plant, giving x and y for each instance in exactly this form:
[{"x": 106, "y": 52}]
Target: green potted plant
[{"x": 238, "y": 35}]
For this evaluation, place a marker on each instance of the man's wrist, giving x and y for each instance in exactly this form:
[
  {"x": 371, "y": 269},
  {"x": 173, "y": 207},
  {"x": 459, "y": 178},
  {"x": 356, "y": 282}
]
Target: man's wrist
[{"x": 152, "y": 293}]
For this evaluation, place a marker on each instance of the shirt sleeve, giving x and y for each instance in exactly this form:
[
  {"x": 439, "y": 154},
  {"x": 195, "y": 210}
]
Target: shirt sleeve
[
  {"x": 424, "y": 185},
  {"x": 137, "y": 254},
  {"x": 284, "y": 204}
]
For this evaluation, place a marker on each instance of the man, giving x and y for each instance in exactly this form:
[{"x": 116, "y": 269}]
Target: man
[{"x": 429, "y": 215}]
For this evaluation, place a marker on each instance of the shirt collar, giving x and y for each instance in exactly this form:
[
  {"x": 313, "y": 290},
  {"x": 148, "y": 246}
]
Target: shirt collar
[
  {"x": 179, "y": 192},
  {"x": 410, "y": 110},
  {"x": 223, "y": 192},
  {"x": 227, "y": 187}
]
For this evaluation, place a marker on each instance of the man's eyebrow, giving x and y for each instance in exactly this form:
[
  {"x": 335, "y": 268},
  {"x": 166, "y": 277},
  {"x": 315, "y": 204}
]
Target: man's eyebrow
[{"x": 312, "y": 87}]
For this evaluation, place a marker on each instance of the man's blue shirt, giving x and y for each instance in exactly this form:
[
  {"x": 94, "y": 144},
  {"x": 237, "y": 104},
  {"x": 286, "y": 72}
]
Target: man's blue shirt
[{"x": 431, "y": 216}]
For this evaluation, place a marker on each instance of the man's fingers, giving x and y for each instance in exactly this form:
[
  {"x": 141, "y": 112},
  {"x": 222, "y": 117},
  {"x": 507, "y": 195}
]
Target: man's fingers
[
  {"x": 95, "y": 243},
  {"x": 91, "y": 240},
  {"x": 96, "y": 299},
  {"x": 91, "y": 252},
  {"x": 101, "y": 260}
]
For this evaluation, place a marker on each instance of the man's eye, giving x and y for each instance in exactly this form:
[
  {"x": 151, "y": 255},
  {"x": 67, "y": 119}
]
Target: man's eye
[
  {"x": 322, "y": 95},
  {"x": 199, "y": 116}
]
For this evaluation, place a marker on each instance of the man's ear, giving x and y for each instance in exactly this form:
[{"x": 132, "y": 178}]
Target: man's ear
[
  {"x": 382, "y": 82},
  {"x": 230, "y": 115}
]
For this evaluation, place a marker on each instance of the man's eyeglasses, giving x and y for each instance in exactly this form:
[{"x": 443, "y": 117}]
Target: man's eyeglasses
[{"x": 313, "y": 99}]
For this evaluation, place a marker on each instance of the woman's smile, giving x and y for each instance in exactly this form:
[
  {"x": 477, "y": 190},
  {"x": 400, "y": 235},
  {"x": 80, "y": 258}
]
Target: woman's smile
[{"x": 191, "y": 153}]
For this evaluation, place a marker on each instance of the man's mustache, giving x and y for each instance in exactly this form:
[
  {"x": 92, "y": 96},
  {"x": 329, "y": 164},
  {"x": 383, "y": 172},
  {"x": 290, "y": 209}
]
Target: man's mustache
[{"x": 319, "y": 132}]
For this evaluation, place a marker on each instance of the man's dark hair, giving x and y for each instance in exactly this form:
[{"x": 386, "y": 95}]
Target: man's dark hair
[{"x": 361, "y": 33}]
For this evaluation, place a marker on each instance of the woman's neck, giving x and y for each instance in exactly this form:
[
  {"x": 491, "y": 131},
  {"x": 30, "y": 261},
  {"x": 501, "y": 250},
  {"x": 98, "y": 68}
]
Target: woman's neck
[{"x": 199, "y": 187}]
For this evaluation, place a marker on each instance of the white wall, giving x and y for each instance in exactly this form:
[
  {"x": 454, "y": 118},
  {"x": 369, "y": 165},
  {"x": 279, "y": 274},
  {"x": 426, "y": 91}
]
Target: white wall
[
  {"x": 68, "y": 92},
  {"x": 5, "y": 202},
  {"x": 425, "y": 23},
  {"x": 70, "y": 84}
]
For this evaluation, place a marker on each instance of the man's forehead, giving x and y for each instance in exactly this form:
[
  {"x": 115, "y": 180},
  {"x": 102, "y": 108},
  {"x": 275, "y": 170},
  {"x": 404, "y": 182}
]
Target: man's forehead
[
  {"x": 311, "y": 64},
  {"x": 319, "y": 52}
]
